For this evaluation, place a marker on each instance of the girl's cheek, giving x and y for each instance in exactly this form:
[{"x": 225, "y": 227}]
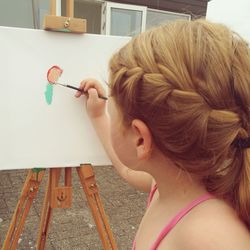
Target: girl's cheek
[
  {"x": 118, "y": 144},
  {"x": 124, "y": 150}
]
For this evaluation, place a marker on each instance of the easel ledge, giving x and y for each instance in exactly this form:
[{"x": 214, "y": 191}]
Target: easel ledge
[{"x": 64, "y": 24}]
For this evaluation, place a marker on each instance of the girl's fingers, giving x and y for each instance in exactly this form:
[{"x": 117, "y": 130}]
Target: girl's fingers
[
  {"x": 90, "y": 83},
  {"x": 78, "y": 93},
  {"x": 93, "y": 93},
  {"x": 82, "y": 85}
]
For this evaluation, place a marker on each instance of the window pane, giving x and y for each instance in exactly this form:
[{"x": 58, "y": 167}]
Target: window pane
[
  {"x": 125, "y": 22},
  {"x": 23, "y": 14},
  {"x": 43, "y": 9},
  {"x": 16, "y": 13},
  {"x": 155, "y": 18}
]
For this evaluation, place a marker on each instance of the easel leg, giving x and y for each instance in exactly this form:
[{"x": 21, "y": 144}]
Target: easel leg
[
  {"x": 54, "y": 176},
  {"x": 88, "y": 182},
  {"x": 29, "y": 192}
]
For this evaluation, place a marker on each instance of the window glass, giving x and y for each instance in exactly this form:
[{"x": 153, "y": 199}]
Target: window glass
[
  {"x": 23, "y": 13},
  {"x": 125, "y": 22},
  {"x": 16, "y": 13},
  {"x": 155, "y": 17}
]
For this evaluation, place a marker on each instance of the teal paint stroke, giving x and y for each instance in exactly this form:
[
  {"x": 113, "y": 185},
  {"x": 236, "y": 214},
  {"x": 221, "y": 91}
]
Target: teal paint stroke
[
  {"x": 49, "y": 93},
  {"x": 37, "y": 171},
  {"x": 62, "y": 30}
]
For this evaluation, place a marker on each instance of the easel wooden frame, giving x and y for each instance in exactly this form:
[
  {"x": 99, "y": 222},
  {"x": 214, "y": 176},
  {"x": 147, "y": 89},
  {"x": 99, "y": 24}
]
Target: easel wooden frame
[
  {"x": 58, "y": 196},
  {"x": 64, "y": 24}
]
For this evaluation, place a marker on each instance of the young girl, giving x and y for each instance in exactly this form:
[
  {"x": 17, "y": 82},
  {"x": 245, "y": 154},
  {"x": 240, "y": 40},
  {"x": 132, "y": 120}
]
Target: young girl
[{"x": 178, "y": 126}]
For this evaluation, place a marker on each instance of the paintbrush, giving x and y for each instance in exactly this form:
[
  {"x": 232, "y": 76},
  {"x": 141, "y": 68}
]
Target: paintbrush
[
  {"x": 75, "y": 88},
  {"x": 55, "y": 72}
]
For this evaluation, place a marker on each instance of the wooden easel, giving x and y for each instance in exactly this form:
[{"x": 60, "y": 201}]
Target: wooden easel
[{"x": 59, "y": 196}]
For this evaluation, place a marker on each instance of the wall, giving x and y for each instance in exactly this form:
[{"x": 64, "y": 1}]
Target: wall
[
  {"x": 193, "y": 7},
  {"x": 234, "y": 14},
  {"x": 16, "y": 13}
]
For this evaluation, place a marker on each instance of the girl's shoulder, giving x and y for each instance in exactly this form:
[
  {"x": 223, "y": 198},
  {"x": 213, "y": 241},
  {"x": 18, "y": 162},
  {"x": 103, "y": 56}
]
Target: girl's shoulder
[{"x": 213, "y": 225}]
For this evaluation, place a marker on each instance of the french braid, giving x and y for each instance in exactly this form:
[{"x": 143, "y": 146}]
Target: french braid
[{"x": 190, "y": 83}]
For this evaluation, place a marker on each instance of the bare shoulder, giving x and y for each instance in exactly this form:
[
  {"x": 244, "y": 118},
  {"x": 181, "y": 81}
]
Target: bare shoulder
[{"x": 213, "y": 225}]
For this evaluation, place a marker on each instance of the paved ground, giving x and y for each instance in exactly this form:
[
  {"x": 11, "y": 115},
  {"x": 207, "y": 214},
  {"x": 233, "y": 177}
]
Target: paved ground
[{"x": 74, "y": 228}]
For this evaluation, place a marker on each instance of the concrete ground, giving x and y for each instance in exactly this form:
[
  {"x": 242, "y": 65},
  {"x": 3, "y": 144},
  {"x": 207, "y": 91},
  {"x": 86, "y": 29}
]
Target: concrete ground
[{"x": 74, "y": 228}]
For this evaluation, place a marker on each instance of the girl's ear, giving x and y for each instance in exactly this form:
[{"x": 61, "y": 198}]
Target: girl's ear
[{"x": 142, "y": 139}]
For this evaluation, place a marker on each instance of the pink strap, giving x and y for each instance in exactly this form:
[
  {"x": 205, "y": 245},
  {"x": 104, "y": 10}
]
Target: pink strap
[
  {"x": 178, "y": 217},
  {"x": 151, "y": 194},
  {"x": 133, "y": 247}
]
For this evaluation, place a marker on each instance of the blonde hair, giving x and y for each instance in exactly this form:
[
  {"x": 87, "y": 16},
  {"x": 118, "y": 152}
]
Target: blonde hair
[{"x": 190, "y": 83}]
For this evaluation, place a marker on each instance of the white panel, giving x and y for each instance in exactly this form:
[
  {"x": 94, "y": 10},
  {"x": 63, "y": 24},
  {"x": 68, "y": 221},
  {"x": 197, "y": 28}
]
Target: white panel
[
  {"x": 33, "y": 133},
  {"x": 235, "y": 14}
]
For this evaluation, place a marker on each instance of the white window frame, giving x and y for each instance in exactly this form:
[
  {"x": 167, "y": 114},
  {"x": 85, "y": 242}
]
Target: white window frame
[
  {"x": 58, "y": 7},
  {"x": 171, "y": 12},
  {"x": 110, "y": 5}
]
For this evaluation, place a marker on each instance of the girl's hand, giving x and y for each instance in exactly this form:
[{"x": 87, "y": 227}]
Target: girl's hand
[{"x": 91, "y": 88}]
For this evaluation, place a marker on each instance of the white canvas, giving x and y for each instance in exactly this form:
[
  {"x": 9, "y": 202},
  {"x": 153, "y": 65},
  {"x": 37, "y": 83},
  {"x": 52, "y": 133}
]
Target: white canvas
[{"x": 33, "y": 133}]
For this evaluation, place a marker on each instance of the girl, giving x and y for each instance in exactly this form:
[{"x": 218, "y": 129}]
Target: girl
[{"x": 178, "y": 126}]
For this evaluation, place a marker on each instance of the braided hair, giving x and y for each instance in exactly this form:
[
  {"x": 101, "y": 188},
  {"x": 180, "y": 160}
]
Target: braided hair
[{"x": 190, "y": 83}]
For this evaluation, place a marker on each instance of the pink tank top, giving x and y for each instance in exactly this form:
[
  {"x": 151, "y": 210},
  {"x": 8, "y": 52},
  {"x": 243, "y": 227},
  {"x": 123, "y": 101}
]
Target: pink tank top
[{"x": 176, "y": 218}]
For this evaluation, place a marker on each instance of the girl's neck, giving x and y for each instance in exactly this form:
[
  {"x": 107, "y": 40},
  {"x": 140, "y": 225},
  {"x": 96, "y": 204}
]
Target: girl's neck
[{"x": 174, "y": 185}]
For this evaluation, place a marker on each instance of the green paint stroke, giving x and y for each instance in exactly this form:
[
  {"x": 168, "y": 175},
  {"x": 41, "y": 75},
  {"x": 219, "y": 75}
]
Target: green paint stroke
[
  {"x": 64, "y": 30},
  {"x": 61, "y": 30},
  {"x": 49, "y": 93},
  {"x": 37, "y": 171}
]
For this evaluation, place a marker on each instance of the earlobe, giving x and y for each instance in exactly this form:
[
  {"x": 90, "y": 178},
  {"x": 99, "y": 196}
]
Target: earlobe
[{"x": 143, "y": 139}]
